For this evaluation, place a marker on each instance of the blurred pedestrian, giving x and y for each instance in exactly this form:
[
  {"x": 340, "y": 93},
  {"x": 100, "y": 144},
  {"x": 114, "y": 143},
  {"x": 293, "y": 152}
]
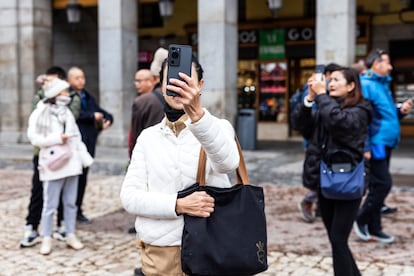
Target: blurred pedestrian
[
  {"x": 148, "y": 106},
  {"x": 91, "y": 121},
  {"x": 384, "y": 135},
  {"x": 339, "y": 124},
  {"x": 52, "y": 124},
  {"x": 308, "y": 206},
  {"x": 164, "y": 161},
  {"x": 31, "y": 234},
  {"x": 361, "y": 69}
]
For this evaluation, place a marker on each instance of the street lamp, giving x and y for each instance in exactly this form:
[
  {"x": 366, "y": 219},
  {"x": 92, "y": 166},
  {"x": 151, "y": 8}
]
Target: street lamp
[
  {"x": 166, "y": 8},
  {"x": 274, "y": 6},
  {"x": 73, "y": 11}
]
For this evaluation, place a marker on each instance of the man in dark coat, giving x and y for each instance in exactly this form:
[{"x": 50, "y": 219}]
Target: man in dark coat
[
  {"x": 148, "y": 107},
  {"x": 91, "y": 121}
]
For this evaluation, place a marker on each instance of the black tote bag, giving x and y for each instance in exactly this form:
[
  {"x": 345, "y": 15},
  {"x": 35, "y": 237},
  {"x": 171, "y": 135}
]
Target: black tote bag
[{"x": 233, "y": 240}]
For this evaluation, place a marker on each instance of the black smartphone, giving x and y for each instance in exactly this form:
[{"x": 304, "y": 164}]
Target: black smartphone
[
  {"x": 179, "y": 60},
  {"x": 319, "y": 71}
]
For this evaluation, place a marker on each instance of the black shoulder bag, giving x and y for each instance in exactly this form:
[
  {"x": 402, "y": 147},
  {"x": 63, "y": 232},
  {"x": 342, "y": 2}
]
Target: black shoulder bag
[{"x": 233, "y": 240}]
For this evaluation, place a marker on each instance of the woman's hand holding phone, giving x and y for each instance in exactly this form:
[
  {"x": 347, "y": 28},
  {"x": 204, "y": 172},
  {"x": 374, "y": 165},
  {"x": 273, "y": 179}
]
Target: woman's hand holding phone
[
  {"x": 318, "y": 82},
  {"x": 189, "y": 96},
  {"x": 318, "y": 85}
]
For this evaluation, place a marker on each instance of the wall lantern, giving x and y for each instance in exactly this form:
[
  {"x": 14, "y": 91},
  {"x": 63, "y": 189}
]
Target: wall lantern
[
  {"x": 274, "y": 6},
  {"x": 166, "y": 8},
  {"x": 73, "y": 11}
]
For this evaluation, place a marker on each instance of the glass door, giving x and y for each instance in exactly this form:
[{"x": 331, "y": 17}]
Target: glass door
[
  {"x": 299, "y": 72},
  {"x": 247, "y": 84}
]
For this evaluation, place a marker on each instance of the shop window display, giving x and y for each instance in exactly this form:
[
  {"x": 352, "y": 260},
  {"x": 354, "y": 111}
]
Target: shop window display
[
  {"x": 404, "y": 89},
  {"x": 272, "y": 102}
]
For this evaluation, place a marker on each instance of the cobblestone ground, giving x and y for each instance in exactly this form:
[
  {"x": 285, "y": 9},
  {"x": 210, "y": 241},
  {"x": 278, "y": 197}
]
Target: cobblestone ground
[{"x": 295, "y": 247}]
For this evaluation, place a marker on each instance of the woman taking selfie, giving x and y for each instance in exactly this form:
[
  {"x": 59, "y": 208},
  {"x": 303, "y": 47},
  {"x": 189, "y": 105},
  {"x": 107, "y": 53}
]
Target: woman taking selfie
[
  {"x": 164, "y": 162},
  {"x": 339, "y": 124}
]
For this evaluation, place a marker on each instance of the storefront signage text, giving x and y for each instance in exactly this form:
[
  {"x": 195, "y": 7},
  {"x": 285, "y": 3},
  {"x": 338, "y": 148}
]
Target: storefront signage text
[
  {"x": 300, "y": 34},
  {"x": 272, "y": 44},
  {"x": 251, "y": 37}
]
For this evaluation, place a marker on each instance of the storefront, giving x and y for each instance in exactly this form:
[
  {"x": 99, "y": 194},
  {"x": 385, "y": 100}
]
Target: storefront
[
  {"x": 275, "y": 59},
  {"x": 402, "y": 58}
]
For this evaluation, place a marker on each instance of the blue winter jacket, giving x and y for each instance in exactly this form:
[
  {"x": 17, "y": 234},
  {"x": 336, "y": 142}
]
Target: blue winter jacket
[{"x": 385, "y": 126}]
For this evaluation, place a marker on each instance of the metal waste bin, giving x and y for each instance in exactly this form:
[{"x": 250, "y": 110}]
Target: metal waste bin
[{"x": 247, "y": 128}]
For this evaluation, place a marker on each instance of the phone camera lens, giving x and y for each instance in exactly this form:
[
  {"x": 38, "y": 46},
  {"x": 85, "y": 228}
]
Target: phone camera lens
[{"x": 174, "y": 54}]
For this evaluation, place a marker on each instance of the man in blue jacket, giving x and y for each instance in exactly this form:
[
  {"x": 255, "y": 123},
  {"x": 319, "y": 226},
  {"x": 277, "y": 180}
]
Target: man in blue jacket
[
  {"x": 91, "y": 121},
  {"x": 384, "y": 135}
]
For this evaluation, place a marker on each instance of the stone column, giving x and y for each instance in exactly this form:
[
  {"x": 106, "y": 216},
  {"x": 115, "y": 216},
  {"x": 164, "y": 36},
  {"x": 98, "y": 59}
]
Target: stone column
[
  {"x": 335, "y": 32},
  {"x": 25, "y": 52},
  {"x": 218, "y": 53},
  {"x": 118, "y": 51}
]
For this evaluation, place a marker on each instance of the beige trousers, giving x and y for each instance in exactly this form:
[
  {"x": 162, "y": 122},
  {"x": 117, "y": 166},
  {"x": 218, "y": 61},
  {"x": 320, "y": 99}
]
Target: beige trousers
[{"x": 161, "y": 260}]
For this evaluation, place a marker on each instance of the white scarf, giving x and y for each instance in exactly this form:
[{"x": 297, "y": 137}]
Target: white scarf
[{"x": 45, "y": 117}]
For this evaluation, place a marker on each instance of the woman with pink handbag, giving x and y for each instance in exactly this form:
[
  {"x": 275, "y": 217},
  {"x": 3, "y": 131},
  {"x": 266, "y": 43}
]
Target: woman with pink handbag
[{"x": 62, "y": 156}]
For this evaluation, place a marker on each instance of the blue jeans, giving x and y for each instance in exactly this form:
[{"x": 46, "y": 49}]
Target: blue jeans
[
  {"x": 380, "y": 183},
  {"x": 52, "y": 190}
]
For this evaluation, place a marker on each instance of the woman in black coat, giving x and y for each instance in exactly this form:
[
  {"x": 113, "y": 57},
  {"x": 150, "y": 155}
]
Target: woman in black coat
[{"x": 339, "y": 123}]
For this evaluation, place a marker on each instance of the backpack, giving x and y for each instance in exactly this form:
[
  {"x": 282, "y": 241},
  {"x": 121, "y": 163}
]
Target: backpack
[{"x": 295, "y": 100}]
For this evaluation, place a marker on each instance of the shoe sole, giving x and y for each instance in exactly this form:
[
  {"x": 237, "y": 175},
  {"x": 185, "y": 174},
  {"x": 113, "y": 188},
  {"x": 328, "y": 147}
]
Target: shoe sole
[
  {"x": 381, "y": 240},
  {"x": 359, "y": 234},
  {"x": 58, "y": 237},
  {"x": 304, "y": 217},
  {"x": 30, "y": 244},
  {"x": 387, "y": 212},
  {"x": 46, "y": 253},
  {"x": 74, "y": 248},
  {"x": 84, "y": 221}
]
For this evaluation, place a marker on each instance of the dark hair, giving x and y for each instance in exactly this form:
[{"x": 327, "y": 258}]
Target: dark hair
[
  {"x": 330, "y": 67},
  {"x": 194, "y": 60},
  {"x": 374, "y": 55},
  {"x": 355, "y": 96},
  {"x": 56, "y": 70}
]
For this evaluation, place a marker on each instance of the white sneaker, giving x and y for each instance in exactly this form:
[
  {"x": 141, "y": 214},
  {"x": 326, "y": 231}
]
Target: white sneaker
[
  {"x": 60, "y": 234},
  {"x": 46, "y": 246},
  {"x": 30, "y": 237},
  {"x": 73, "y": 242}
]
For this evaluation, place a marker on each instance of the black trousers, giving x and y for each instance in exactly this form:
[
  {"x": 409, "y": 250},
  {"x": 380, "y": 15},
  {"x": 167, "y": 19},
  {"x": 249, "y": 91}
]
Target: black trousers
[
  {"x": 89, "y": 137},
  {"x": 36, "y": 199},
  {"x": 379, "y": 186},
  {"x": 83, "y": 178},
  {"x": 338, "y": 217}
]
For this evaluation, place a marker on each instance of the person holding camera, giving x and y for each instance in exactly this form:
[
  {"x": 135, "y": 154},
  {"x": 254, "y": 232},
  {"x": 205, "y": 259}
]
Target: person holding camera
[
  {"x": 339, "y": 124},
  {"x": 164, "y": 161},
  {"x": 308, "y": 206}
]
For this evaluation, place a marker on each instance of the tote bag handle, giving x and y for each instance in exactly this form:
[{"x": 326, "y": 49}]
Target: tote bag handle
[{"x": 242, "y": 176}]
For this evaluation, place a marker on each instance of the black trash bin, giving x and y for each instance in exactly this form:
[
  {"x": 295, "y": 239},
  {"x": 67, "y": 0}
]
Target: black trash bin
[{"x": 247, "y": 128}]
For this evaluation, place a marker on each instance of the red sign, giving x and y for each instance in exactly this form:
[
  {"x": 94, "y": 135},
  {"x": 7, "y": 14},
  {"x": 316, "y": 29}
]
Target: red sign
[{"x": 145, "y": 56}]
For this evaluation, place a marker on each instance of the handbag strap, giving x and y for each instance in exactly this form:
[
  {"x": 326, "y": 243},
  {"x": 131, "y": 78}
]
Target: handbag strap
[{"x": 241, "y": 171}]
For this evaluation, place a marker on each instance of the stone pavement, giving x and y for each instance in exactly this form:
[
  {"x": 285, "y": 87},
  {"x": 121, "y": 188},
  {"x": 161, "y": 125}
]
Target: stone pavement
[{"x": 109, "y": 250}]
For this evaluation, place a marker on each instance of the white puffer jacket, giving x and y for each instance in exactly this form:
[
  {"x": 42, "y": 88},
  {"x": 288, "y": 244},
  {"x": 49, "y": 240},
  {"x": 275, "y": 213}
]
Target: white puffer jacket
[
  {"x": 163, "y": 164},
  {"x": 80, "y": 156}
]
